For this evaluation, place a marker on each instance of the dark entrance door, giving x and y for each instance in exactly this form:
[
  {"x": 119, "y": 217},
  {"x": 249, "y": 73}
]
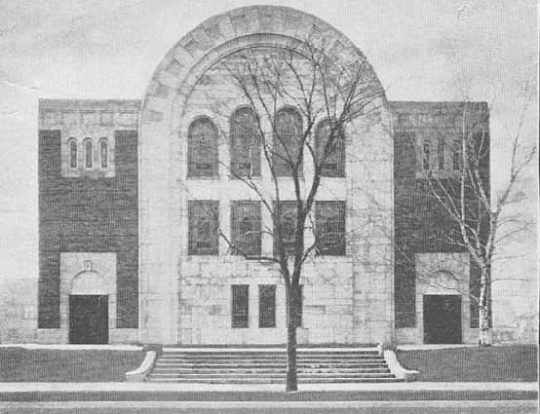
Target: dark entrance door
[
  {"x": 442, "y": 319},
  {"x": 88, "y": 319}
]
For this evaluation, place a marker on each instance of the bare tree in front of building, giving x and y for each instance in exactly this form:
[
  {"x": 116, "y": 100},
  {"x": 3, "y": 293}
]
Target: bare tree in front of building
[
  {"x": 289, "y": 134},
  {"x": 481, "y": 220}
]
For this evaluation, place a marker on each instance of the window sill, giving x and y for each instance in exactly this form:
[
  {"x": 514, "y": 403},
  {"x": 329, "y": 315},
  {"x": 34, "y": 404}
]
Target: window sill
[
  {"x": 203, "y": 256},
  {"x": 331, "y": 258},
  {"x": 244, "y": 177},
  {"x": 193, "y": 177}
]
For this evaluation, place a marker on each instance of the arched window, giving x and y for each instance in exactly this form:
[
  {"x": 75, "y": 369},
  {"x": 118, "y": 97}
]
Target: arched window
[
  {"x": 88, "y": 153},
  {"x": 456, "y": 155},
  {"x": 104, "y": 153},
  {"x": 330, "y": 147},
  {"x": 202, "y": 149},
  {"x": 288, "y": 142},
  {"x": 245, "y": 144},
  {"x": 73, "y": 153},
  {"x": 426, "y": 159}
]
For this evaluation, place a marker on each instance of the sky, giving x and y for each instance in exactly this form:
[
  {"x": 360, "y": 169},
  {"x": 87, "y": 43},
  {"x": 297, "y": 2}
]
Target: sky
[{"x": 431, "y": 50}]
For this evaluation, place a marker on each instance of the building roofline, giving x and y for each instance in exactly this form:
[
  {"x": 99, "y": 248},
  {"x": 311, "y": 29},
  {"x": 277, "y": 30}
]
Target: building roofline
[
  {"x": 418, "y": 106},
  {"x": 90, "y": 104},
  {"x": 135, "y": 105}
]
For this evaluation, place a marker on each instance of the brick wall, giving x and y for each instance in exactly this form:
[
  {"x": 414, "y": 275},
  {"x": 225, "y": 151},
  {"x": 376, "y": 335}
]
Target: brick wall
[
  {"x": 88, "y": 215},
  {"x": 421, "y": 224}
]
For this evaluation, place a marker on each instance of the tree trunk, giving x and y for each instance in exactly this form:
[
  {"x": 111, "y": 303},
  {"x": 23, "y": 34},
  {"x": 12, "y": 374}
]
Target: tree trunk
[
  {"x": 292, "y": 379},
  {"x": 484, "y": 335}
]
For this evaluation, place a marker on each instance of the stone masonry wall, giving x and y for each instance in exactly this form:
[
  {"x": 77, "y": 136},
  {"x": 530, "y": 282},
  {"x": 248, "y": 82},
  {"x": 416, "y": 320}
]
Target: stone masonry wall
[
  {"x": 171, "y": 102},
  {"x": 347, "y": 299}
]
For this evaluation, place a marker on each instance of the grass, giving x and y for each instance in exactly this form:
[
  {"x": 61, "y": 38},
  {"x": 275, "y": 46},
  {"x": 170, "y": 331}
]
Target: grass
[
  {"x": 478, "y": 364},
  {"x": 46, "y": 365}
]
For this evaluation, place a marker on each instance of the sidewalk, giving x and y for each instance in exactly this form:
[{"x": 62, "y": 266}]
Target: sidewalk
[{"x": 47, "y": 391}]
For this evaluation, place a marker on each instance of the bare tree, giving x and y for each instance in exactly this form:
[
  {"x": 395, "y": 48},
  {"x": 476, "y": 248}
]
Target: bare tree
[
  {"x": 298, "y": 102},
  {"x": 465, "y": 196}
]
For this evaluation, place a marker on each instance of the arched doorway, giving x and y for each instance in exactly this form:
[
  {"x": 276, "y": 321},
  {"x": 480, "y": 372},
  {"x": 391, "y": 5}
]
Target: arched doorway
[
  {"x": 442, "y": 309},
  {"x": 88, "y": 308}
]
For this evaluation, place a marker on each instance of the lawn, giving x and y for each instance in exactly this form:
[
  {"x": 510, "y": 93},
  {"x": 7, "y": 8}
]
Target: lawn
[
  {"x": 47, "y": 365},
  {"x": 474, "y": 364}
]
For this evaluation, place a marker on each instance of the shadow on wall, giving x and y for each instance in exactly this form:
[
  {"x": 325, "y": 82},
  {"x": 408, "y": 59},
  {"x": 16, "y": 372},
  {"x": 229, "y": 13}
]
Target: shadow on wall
[{"x": 18, "y": 311}]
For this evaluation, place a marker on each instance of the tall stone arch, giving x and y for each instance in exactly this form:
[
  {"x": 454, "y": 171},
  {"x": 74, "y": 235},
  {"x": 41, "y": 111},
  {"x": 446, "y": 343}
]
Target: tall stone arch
[{"x": 160, "y": 152}]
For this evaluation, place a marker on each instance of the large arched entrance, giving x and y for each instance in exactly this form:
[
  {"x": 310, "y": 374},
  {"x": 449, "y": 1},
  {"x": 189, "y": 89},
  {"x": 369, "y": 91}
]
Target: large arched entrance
[{"x": 186, "y": 298}]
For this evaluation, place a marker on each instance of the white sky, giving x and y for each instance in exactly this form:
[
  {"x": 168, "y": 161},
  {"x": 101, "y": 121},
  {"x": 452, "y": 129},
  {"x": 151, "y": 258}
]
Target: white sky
[{"x": 109, "y": 49}]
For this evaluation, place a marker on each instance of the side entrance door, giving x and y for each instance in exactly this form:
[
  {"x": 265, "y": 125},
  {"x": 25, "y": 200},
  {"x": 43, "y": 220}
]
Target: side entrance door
[
  {"x": 88, "y": 319},
  {"x": 442, "y": 319}
]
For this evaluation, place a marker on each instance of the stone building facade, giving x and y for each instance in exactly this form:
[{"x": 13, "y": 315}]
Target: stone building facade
[{"x": 116, "y": 223}]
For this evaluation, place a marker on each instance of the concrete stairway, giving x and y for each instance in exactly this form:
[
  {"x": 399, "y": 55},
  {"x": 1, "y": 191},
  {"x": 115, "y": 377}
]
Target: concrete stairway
[{"x": 268, "y": 365}]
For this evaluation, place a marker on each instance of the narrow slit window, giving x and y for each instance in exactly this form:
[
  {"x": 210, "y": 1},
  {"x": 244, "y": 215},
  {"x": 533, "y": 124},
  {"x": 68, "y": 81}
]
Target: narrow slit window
[
  {"x": 267, "y": 306},
  {"x": 426, "y": 160},
  {"x": 440, "y": 154},
  {"x": 456, "y": 156},
  {"x": 73, "y": 153},
  {"x": 104, "y": 153},
  {"x": 88, "y": 153},
  {"x": 240, "y": 306}
]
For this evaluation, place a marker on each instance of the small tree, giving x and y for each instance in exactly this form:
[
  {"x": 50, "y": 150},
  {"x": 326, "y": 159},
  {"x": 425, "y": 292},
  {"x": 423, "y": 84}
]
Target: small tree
[
  {"x": 466, "y": 198},
  {"x": 299, "y": 103}
]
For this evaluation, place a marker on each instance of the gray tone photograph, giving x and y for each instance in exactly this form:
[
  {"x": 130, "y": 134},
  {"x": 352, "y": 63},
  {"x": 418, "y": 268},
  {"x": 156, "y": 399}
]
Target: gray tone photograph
[{"x": 269, "y": 206}]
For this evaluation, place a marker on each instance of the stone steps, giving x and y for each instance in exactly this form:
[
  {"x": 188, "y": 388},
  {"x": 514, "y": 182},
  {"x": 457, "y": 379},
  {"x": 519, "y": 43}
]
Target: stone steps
[
  {"x": 281, "y": 369},
  {"x": 280, "y": 380},
  {"x": 275, "y": 374},
  {"x": 268, "y": 356},
  {"x": 269, "y": 366},
  {"x": 264, "y": 366},
  {"x": 336, "y": 362}
]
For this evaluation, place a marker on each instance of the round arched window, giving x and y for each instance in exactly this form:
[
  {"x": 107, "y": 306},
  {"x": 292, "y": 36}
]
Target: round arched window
[
  {"x": 104, "y": 153},
  {"x": 202, "y": 148},
  {"x": 245, "y": 144},
  {"x": 88, "y": 161},
  {"x": 73, "y": 153},
  {"x": 288, "y": 142}
]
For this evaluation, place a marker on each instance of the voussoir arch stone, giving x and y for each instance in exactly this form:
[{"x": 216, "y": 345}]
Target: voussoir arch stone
[{"x": 228, "y": 32}]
